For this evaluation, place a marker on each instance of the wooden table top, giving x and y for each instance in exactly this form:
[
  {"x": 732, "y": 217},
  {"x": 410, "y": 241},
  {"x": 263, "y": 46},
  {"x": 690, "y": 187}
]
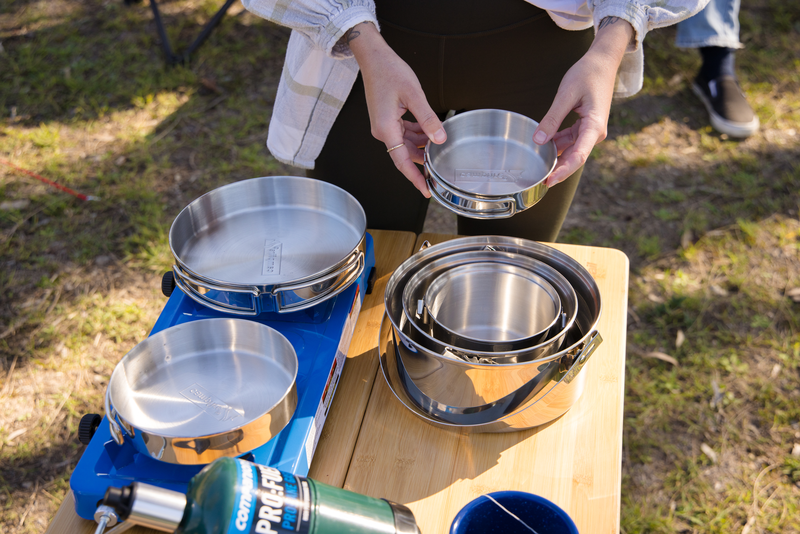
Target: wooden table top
[{"x": 372, "y": 444}]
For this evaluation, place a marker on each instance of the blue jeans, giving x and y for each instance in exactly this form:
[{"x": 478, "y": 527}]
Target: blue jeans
[{"x": 716, "y": 25}]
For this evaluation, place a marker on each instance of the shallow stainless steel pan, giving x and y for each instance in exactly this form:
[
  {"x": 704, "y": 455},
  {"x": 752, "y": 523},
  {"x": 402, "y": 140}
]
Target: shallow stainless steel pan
[
  {"x": 201, "y": 390},
  {"x": 276, "y": 243}
]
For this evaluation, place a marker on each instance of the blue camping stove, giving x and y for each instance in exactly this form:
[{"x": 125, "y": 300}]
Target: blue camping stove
[{"x": 321, "y": 337}]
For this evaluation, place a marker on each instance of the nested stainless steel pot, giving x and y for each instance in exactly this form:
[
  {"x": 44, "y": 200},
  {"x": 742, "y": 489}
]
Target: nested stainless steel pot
[
  {"x": 544, "y": 398},
  {"x": 489, "y": 167},
  {"x": 448, "y": 387},
  {"x": 201, "y": 390},
  {"x": 489, "y": 302},
  {"x": 275, "y": 243}
]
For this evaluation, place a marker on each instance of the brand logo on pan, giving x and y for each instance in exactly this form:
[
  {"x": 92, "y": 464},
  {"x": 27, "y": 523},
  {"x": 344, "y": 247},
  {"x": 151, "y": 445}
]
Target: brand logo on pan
[
  {"x": 272, "y": 257},
  {"x": 211, "y": 404},
  {"x": 485, "y": 176}
]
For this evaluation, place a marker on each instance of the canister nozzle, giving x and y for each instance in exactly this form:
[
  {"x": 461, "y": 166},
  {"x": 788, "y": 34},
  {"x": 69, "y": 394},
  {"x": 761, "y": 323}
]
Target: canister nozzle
[{"x": 148, "y": 506}]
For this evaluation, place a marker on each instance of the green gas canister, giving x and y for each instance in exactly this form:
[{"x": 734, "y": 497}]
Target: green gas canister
[{"x": 233, "y": 496}]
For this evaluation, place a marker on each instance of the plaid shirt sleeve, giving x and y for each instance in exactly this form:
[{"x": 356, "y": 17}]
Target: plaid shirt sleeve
[
  {"x": 643, "y": 15},
  {"x": 318, "y": 72}
]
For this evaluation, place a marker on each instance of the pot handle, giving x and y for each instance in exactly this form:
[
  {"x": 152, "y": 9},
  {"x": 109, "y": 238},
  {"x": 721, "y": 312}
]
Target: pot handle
[
  {"x": 339, "y": 280},
  {"x": 507, "y": 209},
  {"x": 192, "y": 287},
  {"x": 583, "y": 356},
  {"x": 113, "y": 425}
]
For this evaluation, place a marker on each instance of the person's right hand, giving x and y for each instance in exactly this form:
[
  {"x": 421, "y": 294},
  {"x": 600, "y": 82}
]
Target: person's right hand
[{"x": 392, "y": 88}]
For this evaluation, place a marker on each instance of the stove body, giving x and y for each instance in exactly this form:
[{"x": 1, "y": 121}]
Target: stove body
[{"x": 320, "y": 335}]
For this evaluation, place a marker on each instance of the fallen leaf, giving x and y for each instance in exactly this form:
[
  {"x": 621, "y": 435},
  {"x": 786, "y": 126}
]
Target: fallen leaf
[
  {"x": 14, "y": 204},
  {"x": 679, "y": 339},
  {"x": 776, "y": 370},
  {"x": 796, "y": 450},
  {"x": 749, "y": 525},
  {"x": 661, "y": 356},
  {"x": 717, "y": 398},
  {"x": 708, "y": 451},
  {"x": 16, "y": 433},
  {"x": 794, "y": 294},
  {"x": 211, "y": 85},
  {"x": 687, "y": 238},
  {"x": 718, "y": 291},
  {"x": 655, "y": 298}
]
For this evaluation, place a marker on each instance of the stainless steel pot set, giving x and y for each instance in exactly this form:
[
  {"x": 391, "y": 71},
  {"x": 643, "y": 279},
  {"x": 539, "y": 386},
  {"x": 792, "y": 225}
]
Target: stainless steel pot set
[
  {"x": 489, "y": 333},
  {"x": 222, "y": 387}
]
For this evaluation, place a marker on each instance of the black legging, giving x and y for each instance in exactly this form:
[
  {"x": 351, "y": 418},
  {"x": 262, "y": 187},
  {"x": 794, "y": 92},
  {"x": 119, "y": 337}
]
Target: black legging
[{"x": 467, "y": 54}]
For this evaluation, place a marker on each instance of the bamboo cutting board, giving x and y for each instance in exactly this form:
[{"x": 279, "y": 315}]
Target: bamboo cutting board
[{"x": 574, "y": 461}]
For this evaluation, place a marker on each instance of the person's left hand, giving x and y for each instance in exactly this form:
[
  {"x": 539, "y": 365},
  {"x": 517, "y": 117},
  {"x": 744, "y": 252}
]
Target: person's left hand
[{"x": 587, "y": 88}]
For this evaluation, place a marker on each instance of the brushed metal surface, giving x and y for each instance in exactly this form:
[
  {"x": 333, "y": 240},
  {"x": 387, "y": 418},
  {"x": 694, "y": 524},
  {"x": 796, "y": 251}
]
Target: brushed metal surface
[
  {"x": 268, "y": 230},
  {"x": 411, "y": 281},
  {"x": 548, "y": 403},
  {"x": 491, "y": 152},
  {"x": 493, "y": 302},
  {"x": 204, "y": 389}
]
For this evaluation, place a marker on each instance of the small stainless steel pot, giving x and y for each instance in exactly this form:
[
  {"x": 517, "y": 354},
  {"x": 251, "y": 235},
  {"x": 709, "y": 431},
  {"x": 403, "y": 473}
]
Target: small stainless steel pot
[
  {"x": 489, "y": 167},
  {"x": 201, "y": 390},
  {"x": 488, "y": 301},
  {"x": 276, "y": 243}
]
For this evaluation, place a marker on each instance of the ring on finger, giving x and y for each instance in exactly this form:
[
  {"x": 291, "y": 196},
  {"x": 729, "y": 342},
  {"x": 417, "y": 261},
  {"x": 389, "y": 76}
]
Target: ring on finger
[{"x": 395, "y": 147}]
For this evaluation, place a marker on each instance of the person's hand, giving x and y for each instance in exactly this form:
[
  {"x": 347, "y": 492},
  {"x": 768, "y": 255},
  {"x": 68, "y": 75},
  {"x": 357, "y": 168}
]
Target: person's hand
[
  {"x": 587, "y": 88},
  {"x": 392, "y": 88}
]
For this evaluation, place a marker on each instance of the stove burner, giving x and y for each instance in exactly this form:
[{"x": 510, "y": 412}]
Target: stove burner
[{"x": 320, "y": 336}]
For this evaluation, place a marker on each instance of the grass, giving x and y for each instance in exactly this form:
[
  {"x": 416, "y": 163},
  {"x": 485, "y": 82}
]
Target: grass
[{"x": 710, "y": 224}]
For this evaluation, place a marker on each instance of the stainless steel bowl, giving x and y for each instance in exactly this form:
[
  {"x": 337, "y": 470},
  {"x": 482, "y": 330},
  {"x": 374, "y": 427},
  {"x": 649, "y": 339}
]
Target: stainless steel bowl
[
  {"x": 489, "y": 167},
  {"x": 492, "y": 303},
  {"x": 489, "y": 301},
  {"x": 401, "y": 298},
  {"x": 201, "y": 390}
]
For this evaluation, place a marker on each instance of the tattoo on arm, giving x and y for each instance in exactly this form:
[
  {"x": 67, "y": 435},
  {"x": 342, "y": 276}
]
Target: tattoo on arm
[
  {"x": 353, "y": 33},
  {"x": 608, "y": 21}
]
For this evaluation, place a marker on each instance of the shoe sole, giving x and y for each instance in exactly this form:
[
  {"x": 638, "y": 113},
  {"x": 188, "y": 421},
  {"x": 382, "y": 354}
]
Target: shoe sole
[{"x": 723, "y": 125}]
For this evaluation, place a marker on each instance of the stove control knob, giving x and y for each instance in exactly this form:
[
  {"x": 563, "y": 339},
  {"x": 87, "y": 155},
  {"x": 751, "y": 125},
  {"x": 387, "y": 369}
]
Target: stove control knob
[
  {"x": 88, "y": 426},
  {"x": 168, "y": 283}
]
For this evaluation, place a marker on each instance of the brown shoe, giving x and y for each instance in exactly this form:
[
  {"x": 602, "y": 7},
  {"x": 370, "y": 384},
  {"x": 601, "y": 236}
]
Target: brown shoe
[{"x": 727, "y": 106}]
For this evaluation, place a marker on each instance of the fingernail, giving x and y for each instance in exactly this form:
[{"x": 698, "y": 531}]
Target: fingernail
[
  {"x": 440, "y": 136},
  {"x": 540, "y": 138}
]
